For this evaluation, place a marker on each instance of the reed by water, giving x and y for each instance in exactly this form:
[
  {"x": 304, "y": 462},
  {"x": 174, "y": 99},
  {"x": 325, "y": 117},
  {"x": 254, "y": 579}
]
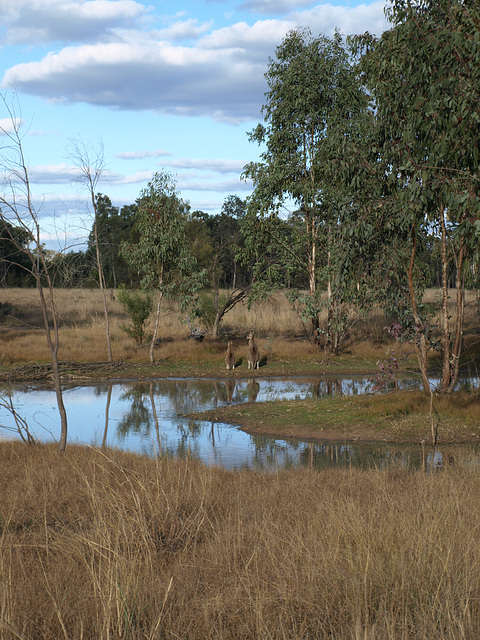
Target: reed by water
[{"x": 108, "y": 545}]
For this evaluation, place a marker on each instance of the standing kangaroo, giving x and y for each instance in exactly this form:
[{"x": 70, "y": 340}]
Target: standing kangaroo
[
  {"x": 230, "y": 357},
  {"x": 253, "y": 356}
]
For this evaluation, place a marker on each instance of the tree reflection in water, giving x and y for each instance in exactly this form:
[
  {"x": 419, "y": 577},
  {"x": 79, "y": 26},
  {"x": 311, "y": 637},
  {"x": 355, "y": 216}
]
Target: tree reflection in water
[{"x": 152, "y": 417}]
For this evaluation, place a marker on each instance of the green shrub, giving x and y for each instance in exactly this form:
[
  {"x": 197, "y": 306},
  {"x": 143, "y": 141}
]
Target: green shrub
[{"x": 138, "y": 307}]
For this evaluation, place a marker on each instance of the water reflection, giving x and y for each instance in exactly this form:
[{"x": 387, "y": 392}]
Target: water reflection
[{"x": 151, "y": 417}]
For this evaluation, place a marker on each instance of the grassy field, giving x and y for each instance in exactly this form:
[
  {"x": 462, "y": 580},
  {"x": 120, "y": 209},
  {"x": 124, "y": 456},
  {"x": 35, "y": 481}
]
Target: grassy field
[
  {"x": 107, "y": 545},
  {"x": 279, "y": 332}
]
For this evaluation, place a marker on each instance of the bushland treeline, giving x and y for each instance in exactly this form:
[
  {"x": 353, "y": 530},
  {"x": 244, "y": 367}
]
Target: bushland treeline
[{"x": 214, "y": 240}]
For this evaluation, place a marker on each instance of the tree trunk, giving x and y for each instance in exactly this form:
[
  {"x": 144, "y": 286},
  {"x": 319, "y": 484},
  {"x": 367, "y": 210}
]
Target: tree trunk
[
  {"x": 155, "y": 328},
  {"x": 446, "y": 371},
  {"x": 460, "y": 309},
  {"x": 101, "y": 283},
  {"x": 53, "y": 347},
  {"x": 421, "y": 346}
]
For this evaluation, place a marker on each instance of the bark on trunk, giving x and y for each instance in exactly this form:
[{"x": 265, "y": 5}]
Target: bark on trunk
[
  {"x": 101, "y": 282},
  {"x": 446, "y": 372},
  {"x": 53, "y": 347},
  {"x": 460, "y": 309},
  {"x": 421, "y": 345},
  {"x": 155, "y": 328}
]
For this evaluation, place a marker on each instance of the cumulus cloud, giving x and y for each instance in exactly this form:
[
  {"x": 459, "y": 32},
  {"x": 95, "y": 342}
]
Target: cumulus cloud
[
  {"x": 9, "y": 125},
  {"x": 41, "y": 21},
  {"x": 219, "y": 74},
  {"x": 217, "y": 165},
  {"x": 154, "y": 76},
  {"x": 224, "y": 186},
  {"x": 53, "y": 174},
  {"x": 184, "y": 30},
  {"x": 363, "y": 17}
]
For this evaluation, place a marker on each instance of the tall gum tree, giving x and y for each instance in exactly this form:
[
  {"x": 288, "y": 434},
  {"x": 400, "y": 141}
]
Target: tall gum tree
[
  {"x": 312, "y": 99},
  {"x": 424, "y": 74}
]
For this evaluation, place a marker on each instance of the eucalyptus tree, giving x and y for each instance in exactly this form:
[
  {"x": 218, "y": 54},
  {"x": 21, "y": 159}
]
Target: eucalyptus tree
[
  {"x": 161, "y": 255},
  {"x": 313, "y": 100},
  {"x": 424, "y": 75},
  {"x": 19, "y": 222}
]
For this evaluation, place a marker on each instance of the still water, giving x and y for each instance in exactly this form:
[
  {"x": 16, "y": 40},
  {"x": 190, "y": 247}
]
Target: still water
[{"x": 150, "y": 417}]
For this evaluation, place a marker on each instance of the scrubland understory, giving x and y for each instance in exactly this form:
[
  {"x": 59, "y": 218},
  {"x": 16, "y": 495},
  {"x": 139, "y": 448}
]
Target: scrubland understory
[{"x": 280, "y": 333}]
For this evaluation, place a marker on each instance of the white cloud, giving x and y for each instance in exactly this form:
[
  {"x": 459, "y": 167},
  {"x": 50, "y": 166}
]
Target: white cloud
[
  {"x": 53, "y": 174},
  {"x": 8, "y": 125},
  {"x": 220, "y": 74},
  {"x": 184, "y": 30},
  {"x": 324, "y": 18},
  {"x": 274, "y": 6},
  {"x": 217, "y": 165},
  {"x": 37, "y": 21},
  {"x": 224, "y": 186},
  {"x": 154, "y": 76}
]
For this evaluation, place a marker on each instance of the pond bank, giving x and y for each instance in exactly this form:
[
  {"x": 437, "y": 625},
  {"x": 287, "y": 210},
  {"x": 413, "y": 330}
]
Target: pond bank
[{"x": 400, "y": 417}]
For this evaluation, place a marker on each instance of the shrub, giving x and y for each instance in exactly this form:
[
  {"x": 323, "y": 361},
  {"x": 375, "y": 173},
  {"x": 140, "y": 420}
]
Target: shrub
[{"x": 138, "y": 307}]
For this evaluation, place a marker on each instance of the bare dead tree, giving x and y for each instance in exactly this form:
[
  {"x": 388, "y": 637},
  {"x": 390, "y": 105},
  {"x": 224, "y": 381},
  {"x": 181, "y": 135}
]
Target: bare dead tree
[
  {"x": 89, "y": 161},
  {"x": 18, "y": 211}
]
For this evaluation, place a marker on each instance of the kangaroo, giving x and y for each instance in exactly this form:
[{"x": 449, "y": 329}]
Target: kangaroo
[
  {"x": 230, "y": 357},
  {"x": 253, "y": 356}
]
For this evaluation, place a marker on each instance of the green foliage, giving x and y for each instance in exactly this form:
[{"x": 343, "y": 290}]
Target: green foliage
[
  {"x": 206, "y": 310},
  {"x": 161, "y": 256},
  {"x": 138, "y": 307},
  {"x": 424, "y": 78},
  {"x": 314, "y": 104},
  {"x": 15, "y": 266}
]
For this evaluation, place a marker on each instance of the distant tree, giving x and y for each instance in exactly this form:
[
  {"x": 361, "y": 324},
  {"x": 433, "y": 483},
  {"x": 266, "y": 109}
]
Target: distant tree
[
  {"x": 14, "y": 264},
  {"x": 90, "y": 163},
  {"x": 114, "y": 226}
]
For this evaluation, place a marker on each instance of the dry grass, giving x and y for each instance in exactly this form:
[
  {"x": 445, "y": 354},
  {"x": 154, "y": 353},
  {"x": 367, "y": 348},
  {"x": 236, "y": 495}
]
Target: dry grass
[
  {"x": 278, "y": 329},
  {"x": 111, "y": 545}
]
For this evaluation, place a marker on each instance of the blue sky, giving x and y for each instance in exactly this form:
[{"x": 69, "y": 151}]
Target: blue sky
[{"x": 158, "y": 85}]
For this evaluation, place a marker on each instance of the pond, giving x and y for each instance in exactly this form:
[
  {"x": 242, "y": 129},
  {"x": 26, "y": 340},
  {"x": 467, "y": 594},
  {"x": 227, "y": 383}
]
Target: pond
[{"x": 149, "y": 417}]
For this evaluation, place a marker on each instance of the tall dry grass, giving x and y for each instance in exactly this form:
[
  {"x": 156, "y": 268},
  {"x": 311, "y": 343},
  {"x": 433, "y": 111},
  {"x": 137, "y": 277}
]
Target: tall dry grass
[
  {"x": 109, "y": 545},
  {"x": 277, "y": 327}
]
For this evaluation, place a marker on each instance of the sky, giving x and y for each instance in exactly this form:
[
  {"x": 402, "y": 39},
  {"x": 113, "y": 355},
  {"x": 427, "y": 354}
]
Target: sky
[{"x": 156, "y": 86}]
